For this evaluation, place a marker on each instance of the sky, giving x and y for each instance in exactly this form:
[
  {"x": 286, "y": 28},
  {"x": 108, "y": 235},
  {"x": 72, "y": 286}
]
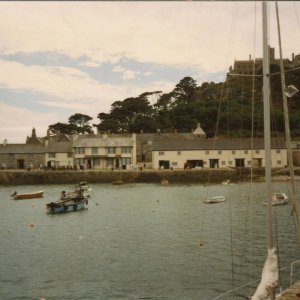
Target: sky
[{"x": 60, "y": 58}]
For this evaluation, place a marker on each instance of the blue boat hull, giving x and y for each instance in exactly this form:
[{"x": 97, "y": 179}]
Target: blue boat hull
[{"x": 65, "y": 207}]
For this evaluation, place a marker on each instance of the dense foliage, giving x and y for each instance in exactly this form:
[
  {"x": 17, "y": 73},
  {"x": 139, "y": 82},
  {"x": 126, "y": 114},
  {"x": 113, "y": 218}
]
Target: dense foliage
[{"x": 230, "y": 108}]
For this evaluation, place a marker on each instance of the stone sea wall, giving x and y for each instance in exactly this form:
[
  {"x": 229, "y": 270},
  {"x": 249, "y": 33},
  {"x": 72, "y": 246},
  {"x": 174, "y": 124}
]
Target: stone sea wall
[{"x": 8, "y": 177}]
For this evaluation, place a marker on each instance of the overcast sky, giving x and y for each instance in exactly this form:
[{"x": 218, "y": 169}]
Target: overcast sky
[{"x": 61, "y": 58}]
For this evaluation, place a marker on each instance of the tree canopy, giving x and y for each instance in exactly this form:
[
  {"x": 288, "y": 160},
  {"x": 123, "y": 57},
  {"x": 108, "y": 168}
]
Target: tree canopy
[{"x": 230, "y": 102}]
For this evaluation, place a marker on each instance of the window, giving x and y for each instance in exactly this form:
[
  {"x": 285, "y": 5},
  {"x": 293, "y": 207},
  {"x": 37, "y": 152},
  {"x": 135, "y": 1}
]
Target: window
[
  {"x": 111, "y": 150},
  {"x": 178, "y": 152},
  {"x": 70, "y": 155},
  {"x": 79, "y": 150},
  {"x": 126, "y": 149},
  {"x": 278, "y": 162},
  {"x": 207, "y": 152},
  {"x": 245, "y": 151},
  {"x": 79, "y": 161},
  {"x": 94, "y": 150},
  {"x": 257, "y": 151},
  {"x": 223, "y": 163},
  {"x": 126, "y": 161},
  {"x": 96, "y": 161},
  {"x": 233, "y": 152},
  {"x": 174, "y": 163},
  {"x": 110, "y": 162},
  {"x": 278, "y": 151},
  {"x": 51, "y": 155},
  {"x": 219, "y": 152},
  {"x": 249, "y": 162},
  {"x": 161, "y": 153},
  {"x": 230, "y": 163}
]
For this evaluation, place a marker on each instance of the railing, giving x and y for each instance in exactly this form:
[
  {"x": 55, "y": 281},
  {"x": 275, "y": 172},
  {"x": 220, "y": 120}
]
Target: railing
[
  {"x": 233, "y": 294},
  {"x": 292, "y": 274}
]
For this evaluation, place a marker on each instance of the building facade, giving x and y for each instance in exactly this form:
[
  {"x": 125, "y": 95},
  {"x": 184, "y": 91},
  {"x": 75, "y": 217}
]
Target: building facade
[
  {"x": 217, "y": 153},
  {"x": 104, "y": 151}
]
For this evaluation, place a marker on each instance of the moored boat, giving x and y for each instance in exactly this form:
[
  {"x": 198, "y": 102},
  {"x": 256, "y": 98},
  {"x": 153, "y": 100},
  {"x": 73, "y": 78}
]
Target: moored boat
[
  {"x": 38, "y": 194},
  {"x": 279, "y": 198},
  {"x": 215, "y": 199},
  {"x": 118, "y": 182},
  {"x": 69, "y": 202}
]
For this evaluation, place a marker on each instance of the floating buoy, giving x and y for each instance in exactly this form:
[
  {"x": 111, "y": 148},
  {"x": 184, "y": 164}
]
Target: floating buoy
[
  {"x": 201, "y": 243},
  {"x": 31, "y": 225}
]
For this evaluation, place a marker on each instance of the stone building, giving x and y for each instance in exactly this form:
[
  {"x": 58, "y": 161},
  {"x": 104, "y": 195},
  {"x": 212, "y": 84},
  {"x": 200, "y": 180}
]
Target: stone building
[
  {"x": 23, "y": 156},
  {"x": 246, "y": 66}
]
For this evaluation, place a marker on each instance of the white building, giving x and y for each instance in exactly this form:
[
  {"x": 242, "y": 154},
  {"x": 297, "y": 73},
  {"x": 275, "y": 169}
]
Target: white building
[
  {"x": 216, "y": 153},
  {"x": 104, "y": 151}
]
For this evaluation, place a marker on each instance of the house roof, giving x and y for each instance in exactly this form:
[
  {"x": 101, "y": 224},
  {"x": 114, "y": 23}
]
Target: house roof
[
  {"x": 100, "y": 141},
  {"x": 145, "y": 137},
  {"x": 214, "y": 144},
  {"x": 59, "y": 147},
  {"x": 22, "y": 149},
  {"x": 199, "y": 130}
]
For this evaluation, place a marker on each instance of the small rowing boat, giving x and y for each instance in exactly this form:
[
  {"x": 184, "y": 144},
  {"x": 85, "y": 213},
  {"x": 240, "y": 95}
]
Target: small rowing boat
[{"x": 17, "y": 196}]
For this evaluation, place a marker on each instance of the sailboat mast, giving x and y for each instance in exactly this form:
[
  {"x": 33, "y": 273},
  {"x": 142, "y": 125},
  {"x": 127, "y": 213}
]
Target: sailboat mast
[{"x": 267, "y": 126}]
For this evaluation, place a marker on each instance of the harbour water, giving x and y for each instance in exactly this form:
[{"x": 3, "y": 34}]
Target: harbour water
[{"x": 139, "y": 241}]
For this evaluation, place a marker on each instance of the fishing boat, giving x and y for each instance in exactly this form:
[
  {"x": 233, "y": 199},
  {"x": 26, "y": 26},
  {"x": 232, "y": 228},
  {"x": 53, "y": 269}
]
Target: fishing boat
[
  {"x": 38, "y": 194},
  {"x": 68, "y": 202},
  {"x": 215, "y": 199}
]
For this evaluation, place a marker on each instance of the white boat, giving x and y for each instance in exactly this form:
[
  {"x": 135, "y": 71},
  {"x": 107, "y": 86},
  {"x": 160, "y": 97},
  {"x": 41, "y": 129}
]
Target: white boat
[
  {"x": 278, "y": 198},
  {"x": 227, "y": 182},
  {"x": 83, "y": 185},
  {"x": 215, "y": 199}
]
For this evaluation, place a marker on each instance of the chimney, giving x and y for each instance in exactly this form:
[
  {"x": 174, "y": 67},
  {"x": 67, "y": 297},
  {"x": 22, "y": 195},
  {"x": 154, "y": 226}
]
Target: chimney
[
  {"x": 4, "y": 142},
  {"x": 33, "y": 132},
  {"x": 250, "y": 57},
  {"x": 293, "y": 56}
]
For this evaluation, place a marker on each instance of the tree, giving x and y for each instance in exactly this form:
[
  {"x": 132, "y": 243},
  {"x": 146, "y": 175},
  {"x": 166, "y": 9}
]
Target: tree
[
  {"x": 80, "y": 122},
  {"x": 184, "y": 91},
  {"x": 63, "y": 128}
]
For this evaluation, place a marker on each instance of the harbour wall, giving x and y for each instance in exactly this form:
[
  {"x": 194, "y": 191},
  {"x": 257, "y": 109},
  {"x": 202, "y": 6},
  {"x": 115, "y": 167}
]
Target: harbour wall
[
  {"x": 14, "y": 177},
  {"x": 21, "y": 177}
]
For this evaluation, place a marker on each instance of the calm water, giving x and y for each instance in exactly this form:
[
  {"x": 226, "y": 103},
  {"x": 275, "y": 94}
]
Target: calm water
[{"x": 137, "y": 241}]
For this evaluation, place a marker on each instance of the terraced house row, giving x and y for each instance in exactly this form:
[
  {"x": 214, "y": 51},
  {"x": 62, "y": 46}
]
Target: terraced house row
[{"x": 158, "y": 150}]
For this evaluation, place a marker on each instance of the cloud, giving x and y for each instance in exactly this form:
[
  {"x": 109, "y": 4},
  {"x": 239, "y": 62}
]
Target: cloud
[
  {"x": 90, "y": 63},
  {"x": 16, "y": 123},
  {"x": 200, "y": 34},
  {"x": 68, "y": 84},
  {"x": 126, "y": 74}
]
